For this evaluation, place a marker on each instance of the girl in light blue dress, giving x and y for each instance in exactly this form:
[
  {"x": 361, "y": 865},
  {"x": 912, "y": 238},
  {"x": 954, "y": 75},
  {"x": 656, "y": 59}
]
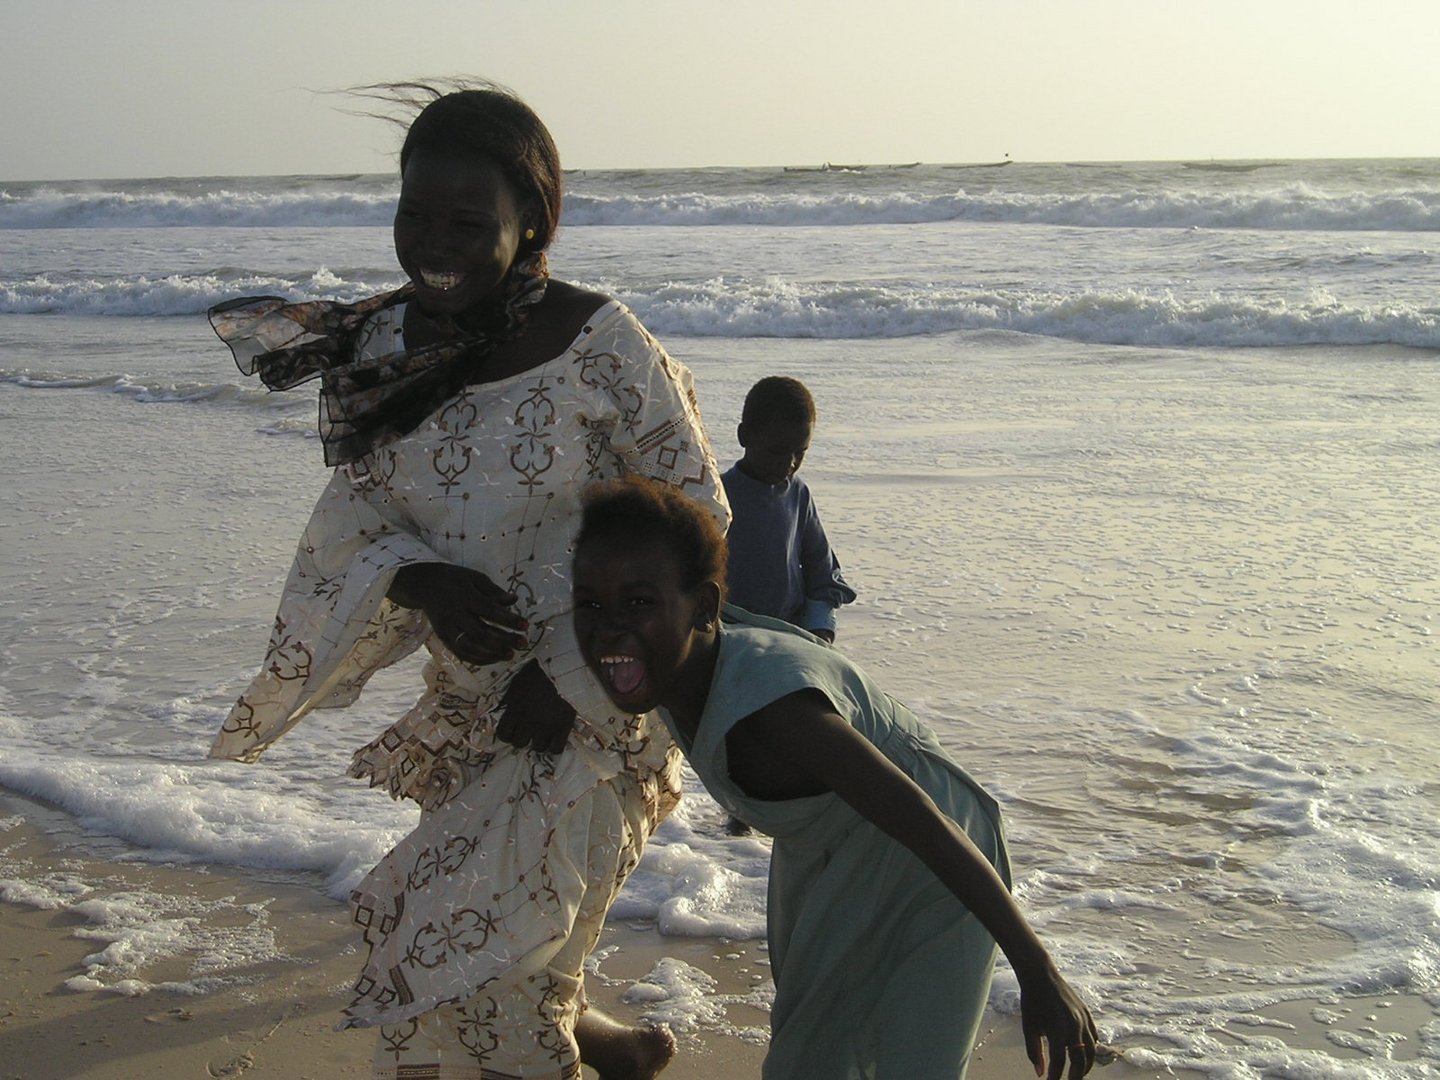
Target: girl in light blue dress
[{"x": 889, "y": 877}]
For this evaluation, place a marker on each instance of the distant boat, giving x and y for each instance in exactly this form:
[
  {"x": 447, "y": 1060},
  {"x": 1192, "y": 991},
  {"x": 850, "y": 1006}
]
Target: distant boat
[
  {"x": 827, "y": 167},
  {"x": 988, "y": 164},
  {"x": 1229, "y": 166}
]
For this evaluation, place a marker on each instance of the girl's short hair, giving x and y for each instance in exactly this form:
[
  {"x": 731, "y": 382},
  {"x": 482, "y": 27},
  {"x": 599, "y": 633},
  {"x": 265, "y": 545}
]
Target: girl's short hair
[
  {"x": 636, "y": 508},
  {"x": 778, "y": 398},
  {"x": 473, "y": 118}
]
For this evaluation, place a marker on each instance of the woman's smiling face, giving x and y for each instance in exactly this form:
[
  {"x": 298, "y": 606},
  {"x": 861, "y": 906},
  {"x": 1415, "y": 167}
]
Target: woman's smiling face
[
  {"x": 640, "y": 629},
  {"x": 457, "y": 230}
]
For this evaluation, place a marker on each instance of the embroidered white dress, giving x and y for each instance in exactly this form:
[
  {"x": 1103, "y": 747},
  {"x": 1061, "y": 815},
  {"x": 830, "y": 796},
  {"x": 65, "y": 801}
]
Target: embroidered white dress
[{"x": 481, "y": 919}]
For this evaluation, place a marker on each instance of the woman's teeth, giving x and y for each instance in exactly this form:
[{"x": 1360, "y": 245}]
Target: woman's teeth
[{"x": 436, "y": 279}]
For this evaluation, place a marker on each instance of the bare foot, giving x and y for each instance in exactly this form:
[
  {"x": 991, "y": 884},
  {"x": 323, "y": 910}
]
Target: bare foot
[{"x": 619, "y": 1052}]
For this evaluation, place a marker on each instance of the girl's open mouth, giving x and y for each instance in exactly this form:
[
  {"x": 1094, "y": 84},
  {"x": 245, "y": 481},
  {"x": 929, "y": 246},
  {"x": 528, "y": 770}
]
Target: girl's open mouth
[{"x": 622, "y": 674}]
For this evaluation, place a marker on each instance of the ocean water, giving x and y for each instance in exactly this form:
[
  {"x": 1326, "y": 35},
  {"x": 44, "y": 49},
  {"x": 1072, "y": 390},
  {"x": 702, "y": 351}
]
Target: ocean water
[{"x": 1135, "y": 467}]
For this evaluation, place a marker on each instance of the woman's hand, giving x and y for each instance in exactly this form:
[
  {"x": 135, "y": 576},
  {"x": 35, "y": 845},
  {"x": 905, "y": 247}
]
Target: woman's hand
[
  {"x": 1052, "y": 1011},
  {"x": 535, "y": 715},
  {"x": 473, "y": 616}
]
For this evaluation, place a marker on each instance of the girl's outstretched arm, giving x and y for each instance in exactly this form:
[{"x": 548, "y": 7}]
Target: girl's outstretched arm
[{"x": 800, "y": 740}]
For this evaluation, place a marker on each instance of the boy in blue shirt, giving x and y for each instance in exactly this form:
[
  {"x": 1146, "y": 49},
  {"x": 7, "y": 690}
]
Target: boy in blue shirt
[{"x": 780, "y": 564}]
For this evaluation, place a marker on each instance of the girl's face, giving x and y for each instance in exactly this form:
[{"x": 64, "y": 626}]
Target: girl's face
[
  {"x": 457, "y": 230},
  {"x": 640, "y": 630}
]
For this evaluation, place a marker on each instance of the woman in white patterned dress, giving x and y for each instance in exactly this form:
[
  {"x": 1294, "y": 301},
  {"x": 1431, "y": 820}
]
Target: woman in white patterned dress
[{"x": 465, "y": 413}]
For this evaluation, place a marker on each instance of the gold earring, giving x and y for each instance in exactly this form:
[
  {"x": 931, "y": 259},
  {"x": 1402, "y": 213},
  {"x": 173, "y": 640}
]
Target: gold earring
[{"x": 529, "y": 234}]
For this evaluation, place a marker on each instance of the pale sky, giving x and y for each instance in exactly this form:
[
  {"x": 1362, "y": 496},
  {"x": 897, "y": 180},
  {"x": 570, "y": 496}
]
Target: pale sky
[{"x": 141, "y": 88}]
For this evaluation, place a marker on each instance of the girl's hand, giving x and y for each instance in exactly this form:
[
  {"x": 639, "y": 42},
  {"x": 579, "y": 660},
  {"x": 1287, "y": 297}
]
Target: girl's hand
[
  {"x": 535, "y": 715},
  {"x": 1052, "y": 1011},
  {"x": 473, "y": 616}
]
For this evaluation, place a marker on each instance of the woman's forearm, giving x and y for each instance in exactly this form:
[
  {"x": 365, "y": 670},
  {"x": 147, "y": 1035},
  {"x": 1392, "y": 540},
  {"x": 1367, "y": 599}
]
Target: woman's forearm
[{"x": 405, "y": 586}]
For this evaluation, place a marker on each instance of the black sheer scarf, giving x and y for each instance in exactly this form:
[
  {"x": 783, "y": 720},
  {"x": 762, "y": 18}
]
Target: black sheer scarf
[{"x": 366, "y": 403}]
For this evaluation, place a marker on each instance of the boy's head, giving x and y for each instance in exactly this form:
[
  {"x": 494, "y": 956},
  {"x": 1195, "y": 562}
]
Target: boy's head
[{"x": 775, "y": 428}]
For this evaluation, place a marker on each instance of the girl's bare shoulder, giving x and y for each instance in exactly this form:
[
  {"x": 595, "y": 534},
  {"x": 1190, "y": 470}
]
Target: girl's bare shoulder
[{"x": 767, "y": 750}]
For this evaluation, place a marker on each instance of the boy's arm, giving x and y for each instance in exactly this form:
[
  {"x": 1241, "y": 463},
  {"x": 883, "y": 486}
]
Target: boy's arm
[
  {"x": 819, "y": 618},
  {"x": 825, "y": 587}
]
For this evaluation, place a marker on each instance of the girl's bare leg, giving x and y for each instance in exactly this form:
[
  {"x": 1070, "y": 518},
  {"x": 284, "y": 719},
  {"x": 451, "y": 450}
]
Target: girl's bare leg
[{"x": 619, "y": 1052}]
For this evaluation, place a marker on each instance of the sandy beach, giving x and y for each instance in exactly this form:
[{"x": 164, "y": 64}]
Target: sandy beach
[{"x": 275, "y": 1019}]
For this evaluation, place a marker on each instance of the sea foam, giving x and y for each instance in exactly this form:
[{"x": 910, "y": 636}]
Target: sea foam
[
  {"x": 779, "y": 308},
  {"x": 1289, "y": 207}
]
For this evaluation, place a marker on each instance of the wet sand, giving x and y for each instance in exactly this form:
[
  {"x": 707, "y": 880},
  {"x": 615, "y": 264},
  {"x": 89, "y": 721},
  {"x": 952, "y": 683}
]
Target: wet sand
[{"x": 274, "y": 1018}]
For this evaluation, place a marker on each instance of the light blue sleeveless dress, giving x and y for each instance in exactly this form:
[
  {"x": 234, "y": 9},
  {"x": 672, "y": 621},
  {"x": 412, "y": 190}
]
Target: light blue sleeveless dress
[{"x": 880, "y": 972}]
